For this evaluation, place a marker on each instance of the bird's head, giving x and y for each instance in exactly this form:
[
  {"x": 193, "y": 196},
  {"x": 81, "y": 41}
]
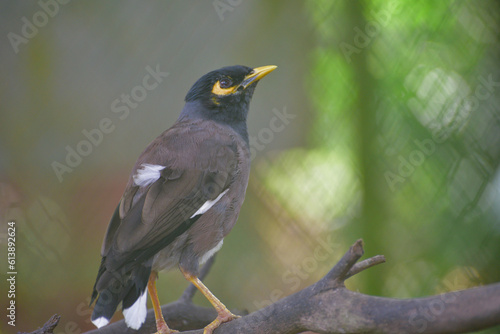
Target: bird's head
[{"x": 224, "y": 94}]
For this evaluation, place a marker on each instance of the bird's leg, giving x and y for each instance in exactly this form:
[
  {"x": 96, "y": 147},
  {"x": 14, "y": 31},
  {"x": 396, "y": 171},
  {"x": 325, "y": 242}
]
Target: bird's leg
[
  {"x": 224, "y": 315},
  {"x": 161, "y": 325}
]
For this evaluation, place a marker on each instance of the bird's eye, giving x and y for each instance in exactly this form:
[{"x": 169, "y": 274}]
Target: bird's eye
[{"x": 225, "y": 83}]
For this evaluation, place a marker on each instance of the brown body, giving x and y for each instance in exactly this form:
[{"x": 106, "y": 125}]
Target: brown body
[
  {"x": 182, "y": 198},
  {"x": 223, "y": 157}
]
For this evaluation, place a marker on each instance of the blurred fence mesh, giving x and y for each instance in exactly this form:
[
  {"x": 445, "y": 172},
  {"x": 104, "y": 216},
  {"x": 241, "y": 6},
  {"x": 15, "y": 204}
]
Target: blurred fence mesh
[
  {"x": 392, "y": 135},
  {"x": 405, "y": 144}
]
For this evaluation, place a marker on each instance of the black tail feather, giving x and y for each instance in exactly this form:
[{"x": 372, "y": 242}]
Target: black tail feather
[
  {"x": 140, "y": 280},
  {"x": 111, "y": 288},
  {"x": 102, "y": 269}
]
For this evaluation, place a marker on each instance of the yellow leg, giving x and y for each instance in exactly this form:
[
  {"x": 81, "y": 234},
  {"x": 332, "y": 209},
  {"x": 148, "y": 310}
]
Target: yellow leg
[
  {"x": 224, "y": 315},
  {"x": 161, "y": 325}
]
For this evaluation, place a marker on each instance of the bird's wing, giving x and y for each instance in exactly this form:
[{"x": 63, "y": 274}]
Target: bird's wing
[{"x": 151, "y": 216}]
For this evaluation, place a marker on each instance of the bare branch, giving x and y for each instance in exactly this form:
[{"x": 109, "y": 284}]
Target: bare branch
[
  {"x": 49, "y": 326},
  {"x": 365, "y": 264},
  {"x": 329, "y": 307},
  {"x": 336, "y": 277},
  {"x": 343, "y": 311}
]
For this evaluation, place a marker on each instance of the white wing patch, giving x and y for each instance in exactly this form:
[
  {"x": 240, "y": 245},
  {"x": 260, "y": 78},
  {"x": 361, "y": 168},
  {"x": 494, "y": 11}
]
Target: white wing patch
[
  {"x": 147, "y": 174},
  {"x": 211, "y": 252},
  {"x": 100, "y": 322},
  {"x": 135, "y": 315},
  {"x": 208, "y": 204}
]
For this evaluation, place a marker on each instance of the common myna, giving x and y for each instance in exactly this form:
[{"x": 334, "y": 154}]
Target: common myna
[{"x": 182, "y": 198}]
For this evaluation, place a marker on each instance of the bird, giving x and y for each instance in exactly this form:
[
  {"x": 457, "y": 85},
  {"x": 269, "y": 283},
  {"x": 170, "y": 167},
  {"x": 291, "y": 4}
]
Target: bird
[{"x": 182, "y": 198}]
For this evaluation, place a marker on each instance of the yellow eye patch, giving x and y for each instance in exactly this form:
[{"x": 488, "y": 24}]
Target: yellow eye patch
[{"x": 218, "y": 90}]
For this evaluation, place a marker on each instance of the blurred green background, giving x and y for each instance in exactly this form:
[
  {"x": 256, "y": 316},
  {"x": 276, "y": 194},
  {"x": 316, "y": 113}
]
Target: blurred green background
[{"x": 382, "y": 122}]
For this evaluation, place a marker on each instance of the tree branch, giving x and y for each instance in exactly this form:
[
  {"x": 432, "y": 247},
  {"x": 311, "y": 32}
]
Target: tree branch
[
  {"x": 49, "y": 326},
  {"x": 365, "y": 264},
  {"x": 327, "y": 306}
]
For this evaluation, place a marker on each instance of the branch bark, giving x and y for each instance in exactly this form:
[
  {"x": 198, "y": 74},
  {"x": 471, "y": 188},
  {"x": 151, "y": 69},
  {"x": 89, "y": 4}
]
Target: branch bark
[
  {"x": 49, "y": 326},
  {"x": 328, "y": 306}
]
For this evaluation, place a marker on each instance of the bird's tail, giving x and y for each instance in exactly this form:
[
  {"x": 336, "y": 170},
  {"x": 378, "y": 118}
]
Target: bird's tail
[{"x": 111, "y": 288}]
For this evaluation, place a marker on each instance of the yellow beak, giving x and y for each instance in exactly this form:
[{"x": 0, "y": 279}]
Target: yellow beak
[{"x": 257, "y": 74}]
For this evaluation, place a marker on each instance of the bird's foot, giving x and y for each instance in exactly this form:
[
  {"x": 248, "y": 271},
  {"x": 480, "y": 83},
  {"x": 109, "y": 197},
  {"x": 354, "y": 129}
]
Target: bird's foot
[
  {"x": 223, "y": 316},
  {"x": 162, "y": 328}
]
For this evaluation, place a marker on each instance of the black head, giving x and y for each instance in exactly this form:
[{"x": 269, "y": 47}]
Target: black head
[{"x": 224, "y": 95}]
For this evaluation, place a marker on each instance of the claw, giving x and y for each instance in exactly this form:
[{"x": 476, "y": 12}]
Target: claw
[
  {"x": 224, "y": 316},
  {"x": 162, "y": 328}
]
